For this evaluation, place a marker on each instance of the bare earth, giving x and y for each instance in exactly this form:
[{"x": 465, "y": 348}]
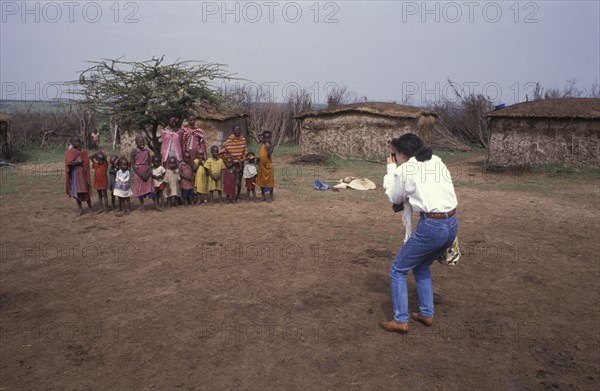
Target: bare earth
[{"x": 287, "y": 296}]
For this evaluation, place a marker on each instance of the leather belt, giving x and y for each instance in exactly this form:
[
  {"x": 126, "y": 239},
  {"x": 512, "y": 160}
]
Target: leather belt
[{"x": 439, "y": 215}]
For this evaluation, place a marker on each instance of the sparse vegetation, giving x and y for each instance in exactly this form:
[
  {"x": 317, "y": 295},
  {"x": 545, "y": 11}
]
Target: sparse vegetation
[
  {"x": 142, "y": 95},
  {"x": 265, "y": 113}
]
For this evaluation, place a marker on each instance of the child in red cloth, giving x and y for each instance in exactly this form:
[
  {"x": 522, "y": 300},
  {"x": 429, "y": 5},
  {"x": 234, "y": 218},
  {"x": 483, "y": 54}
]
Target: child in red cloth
[
  {"x": 229, "y": 180},
  {"x": 77, "y": 167},
  {"x": 100, "y": 166}
]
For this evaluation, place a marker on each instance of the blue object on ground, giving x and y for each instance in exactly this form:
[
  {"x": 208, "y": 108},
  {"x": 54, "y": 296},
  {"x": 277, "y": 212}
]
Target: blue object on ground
[
  {"x": 5, "y": 164},
  {"x": 500, "y": 106},
  {"x": 320, "y": 185}
]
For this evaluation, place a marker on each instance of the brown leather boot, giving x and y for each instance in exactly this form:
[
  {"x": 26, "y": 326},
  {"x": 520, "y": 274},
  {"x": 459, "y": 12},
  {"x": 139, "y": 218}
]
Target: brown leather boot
[
  {"x": 393, "y": 326},
  {"x": 422, "y": 319}
]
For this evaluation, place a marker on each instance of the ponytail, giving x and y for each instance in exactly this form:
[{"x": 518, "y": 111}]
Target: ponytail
[{"x": 424, "y": 154}]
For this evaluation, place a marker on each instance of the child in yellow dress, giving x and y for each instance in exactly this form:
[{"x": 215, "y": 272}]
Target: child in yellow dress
[
  {"x": 201, "y": 182},
  {"x": 215, "y": 166}
]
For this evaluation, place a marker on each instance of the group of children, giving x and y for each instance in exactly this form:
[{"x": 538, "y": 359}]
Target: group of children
[
  {"x": 178, "y": 177},
  {"x": 190, "y": 182},
  {"x": 195, "y": 182}
]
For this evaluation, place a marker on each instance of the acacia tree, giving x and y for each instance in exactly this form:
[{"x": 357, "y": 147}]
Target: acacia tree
[{"x": 146, "y": 94}]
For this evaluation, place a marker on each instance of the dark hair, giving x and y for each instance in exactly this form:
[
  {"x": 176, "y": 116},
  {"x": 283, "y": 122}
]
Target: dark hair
[
  {"x": 123, "y": 159},
  {"x": 411, "y": 145},
  {"x": 155, "y": 158}
]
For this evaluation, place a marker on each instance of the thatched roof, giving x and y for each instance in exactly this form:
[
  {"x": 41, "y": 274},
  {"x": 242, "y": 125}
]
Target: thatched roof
[
  {"x": 376, "y": 108},
  {"x": 212, "y": 113},
  {"x": 5, "y": 117},
  {"x": 587, "y": 108}
]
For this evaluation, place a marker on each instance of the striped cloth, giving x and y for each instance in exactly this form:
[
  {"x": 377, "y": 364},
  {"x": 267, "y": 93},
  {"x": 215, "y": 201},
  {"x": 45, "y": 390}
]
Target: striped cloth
[{"x": 236, "y": 147}]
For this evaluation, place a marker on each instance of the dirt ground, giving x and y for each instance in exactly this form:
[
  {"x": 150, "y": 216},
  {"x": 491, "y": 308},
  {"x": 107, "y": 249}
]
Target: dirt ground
[{"x": 287, "y": 295}]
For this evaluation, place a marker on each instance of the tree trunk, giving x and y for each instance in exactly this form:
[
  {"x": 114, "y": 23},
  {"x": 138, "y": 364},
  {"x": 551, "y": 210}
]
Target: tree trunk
[{"x": 154, "y": 144}]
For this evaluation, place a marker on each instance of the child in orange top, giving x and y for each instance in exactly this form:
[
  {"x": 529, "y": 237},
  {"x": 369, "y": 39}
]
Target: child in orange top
[{"x": 100, "y": 166}]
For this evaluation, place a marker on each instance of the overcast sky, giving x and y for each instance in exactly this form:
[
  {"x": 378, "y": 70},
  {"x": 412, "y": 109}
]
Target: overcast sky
[{"x": 386, "y": 50}]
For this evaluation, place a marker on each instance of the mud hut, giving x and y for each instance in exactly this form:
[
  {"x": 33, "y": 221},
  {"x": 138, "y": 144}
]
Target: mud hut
[
  {"x": 361, "y": 129},
  {"x": 549, "y": 131},
  {"x": 5, "y": 142},
  {"x": 217, "y": 123}
]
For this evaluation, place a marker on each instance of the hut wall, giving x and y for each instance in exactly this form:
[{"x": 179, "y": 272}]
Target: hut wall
[
  {"x": 533, "y": 141},
  {"x": 127, "y": 143},
  {"x": 358, "y": 134},
  {"x": 216, "y": 132}
]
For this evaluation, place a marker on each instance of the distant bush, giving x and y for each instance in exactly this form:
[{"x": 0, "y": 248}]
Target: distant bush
[
  {"x": 264, "y": 113},
  {"x": 464, "y": 120},
  {"x": 32, "y": 127}
]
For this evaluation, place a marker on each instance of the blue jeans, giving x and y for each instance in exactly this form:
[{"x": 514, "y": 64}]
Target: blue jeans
[{"x": 428, "y": 242}]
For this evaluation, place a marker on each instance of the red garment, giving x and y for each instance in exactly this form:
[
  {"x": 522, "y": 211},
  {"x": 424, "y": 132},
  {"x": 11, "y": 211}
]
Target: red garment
[
  {"x": 229, "y": 182},
  {"x": 235, "y": 147},
  {"x": 171, "y": 142},
  {"x": 187, "y": 171},
  {"x": 193, "y": 141},
  {"x": 82, "y": 173},
  {"x": 251, "y": 183},
  {"x": 141, "y": 164},
  {"x": 100, "y": 175}
]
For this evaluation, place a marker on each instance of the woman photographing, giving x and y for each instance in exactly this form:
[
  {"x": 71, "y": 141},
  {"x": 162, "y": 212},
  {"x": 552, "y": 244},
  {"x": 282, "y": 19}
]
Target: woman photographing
[{"x": 416, "y": 175}]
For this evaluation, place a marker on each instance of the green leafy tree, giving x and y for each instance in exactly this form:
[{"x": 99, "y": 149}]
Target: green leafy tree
[{"x": 143, "y": 95}]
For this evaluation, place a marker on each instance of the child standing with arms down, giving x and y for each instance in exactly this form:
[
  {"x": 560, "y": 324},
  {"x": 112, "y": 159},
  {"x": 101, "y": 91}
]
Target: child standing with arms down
[
  {"x": 250, "y": 174},
  {"x": 77, "y": 167},
  {"x": 201, "y": 179},
  {"x": 123, "y": 186},
  {"x": 158, "y": 176},
  {"x": 172, "y": 182},
  {"x": 100, "y": 166},
  {"x": 142, "y": 173},
  {"x": 112, "y": 177},
  {"x": 186, "y": 173},
  {"x": 266, "y": 174},
  {"x": 229, "y": 180},
  {"x": 215, "y": 166}
]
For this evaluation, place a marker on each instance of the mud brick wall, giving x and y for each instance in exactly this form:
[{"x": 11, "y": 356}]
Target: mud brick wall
[
  {"x": 533, "y": 141},
  {"x": 358, "y": 134},
  {"x": 215, "y": 133}
]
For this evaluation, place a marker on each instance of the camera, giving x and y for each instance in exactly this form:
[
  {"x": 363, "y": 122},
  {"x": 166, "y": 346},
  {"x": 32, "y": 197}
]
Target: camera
[{"x": 397, "y": 208}]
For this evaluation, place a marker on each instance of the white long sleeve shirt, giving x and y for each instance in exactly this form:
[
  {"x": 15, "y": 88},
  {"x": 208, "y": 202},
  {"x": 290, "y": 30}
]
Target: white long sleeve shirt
[{"x": 427, "y": 185}]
